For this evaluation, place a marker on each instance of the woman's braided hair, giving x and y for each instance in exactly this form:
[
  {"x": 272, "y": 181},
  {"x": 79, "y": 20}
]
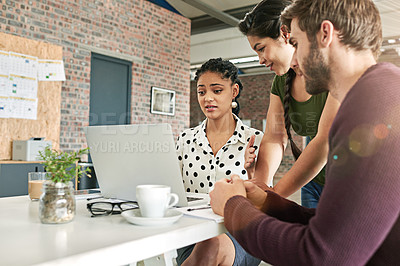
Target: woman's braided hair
[
  {"x": 264, "y": 21},
  {"x": 286, "y": 101},
  {"x": 227, "y": 70}
]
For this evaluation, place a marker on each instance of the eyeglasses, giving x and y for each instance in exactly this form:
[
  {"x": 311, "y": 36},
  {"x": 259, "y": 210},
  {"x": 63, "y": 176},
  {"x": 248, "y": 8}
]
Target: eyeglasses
[{"x": 106, "y": 208}]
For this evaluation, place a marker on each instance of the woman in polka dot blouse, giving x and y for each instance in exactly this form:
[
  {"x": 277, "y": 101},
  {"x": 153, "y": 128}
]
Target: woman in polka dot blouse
[{"x": 215, "y": 149}]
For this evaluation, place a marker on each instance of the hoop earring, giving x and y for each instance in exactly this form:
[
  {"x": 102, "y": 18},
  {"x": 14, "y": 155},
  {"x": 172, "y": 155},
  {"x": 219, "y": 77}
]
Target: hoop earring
[
  {"x": 234, "y": 105},
  {"x": 285, "y": 39}
]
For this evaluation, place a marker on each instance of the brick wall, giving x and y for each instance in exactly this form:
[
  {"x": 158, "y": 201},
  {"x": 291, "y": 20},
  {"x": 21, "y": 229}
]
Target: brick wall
[{"x": 156, "y": 40}]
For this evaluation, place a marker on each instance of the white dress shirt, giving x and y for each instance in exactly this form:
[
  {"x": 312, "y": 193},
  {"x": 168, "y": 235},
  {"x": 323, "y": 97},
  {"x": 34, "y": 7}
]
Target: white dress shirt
[{"x": 200, "y": 168}]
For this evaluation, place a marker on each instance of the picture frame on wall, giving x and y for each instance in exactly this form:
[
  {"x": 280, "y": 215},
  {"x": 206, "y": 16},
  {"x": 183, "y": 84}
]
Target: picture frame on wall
[{"x": 162, "y": 101}]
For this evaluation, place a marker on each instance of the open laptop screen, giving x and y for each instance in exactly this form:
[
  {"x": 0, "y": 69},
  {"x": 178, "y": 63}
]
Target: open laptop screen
[{"x": 125, "y": 156}]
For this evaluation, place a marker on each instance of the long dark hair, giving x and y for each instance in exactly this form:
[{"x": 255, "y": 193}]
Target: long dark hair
[
  {"x": 286, "y": 101},
  {"x": 264, "y": 21},
  {"x": 227, "y": 70}
]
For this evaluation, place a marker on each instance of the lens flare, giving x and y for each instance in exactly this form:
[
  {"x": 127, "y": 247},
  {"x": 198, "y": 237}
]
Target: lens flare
[
  {"x": 355, "y": 146},
  {"x": 363, "y": 140},
  {"x": 340, "y": 156},
  {"x": 381, "y": 131}
]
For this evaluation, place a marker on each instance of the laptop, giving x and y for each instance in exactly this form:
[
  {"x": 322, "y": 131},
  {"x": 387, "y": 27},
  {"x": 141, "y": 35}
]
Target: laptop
[{"x": 125, "y": 156}]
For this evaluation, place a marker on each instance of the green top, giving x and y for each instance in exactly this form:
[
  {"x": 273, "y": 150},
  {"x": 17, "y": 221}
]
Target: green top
[{"x": 304, "y": 116}]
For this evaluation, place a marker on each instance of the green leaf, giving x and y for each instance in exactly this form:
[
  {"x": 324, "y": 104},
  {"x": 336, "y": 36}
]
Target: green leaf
[{"x": 63, "y": 166}]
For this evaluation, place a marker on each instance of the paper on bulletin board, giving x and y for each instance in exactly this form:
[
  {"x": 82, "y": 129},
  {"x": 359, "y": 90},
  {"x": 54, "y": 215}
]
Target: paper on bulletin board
[
  {"x": 23, "y": 65},
  {"x": 4, "y": 86},
  {"x": 22, "y": 101},
  {"x": 25, "y": 87},
  {"x": 4, "y": 107},
  {"x": 51, "y": 70},
  {"x": 23, "y": 108},
  {"x": 4, "y": 62},
  {"x": 4, "y": 93}
]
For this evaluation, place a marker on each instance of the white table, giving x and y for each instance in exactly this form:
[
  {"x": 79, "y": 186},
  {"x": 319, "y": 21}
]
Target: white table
[{"x": 106, "y": 240}]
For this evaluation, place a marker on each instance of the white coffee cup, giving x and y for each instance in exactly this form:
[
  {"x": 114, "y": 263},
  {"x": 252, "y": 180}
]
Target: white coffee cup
[{"x": 154, "y": 200}]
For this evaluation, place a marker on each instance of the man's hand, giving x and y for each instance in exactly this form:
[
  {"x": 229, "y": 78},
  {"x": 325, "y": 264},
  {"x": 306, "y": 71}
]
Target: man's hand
[
  {"x": 225, "y": 189},
  {"x": 250, "y": 158},
  {"x": 255, "y": 194}
]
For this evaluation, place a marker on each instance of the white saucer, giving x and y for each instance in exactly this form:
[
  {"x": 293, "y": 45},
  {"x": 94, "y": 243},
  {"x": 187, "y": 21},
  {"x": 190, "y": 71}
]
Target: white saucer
[{"x": 134, "y": 217}]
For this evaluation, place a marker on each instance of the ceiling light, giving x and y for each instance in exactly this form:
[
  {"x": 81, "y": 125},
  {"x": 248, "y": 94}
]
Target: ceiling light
[
  {"x": 195, "y": 66},
  {"x": 244, "y": 59},
  {"x": 234, "y": 61}
]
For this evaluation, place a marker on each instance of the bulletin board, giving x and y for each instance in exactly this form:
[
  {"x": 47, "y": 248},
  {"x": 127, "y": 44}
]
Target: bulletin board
[{"x": 47, "y": 124}]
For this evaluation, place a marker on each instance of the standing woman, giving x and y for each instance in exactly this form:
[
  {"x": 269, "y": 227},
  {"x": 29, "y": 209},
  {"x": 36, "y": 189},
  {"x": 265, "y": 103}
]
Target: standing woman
[
  {"x": 290, "y": 106},
  {"x": 215, "y": 150}
]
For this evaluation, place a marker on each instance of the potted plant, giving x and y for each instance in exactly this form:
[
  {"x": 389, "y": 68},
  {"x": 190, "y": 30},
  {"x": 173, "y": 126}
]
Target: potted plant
[{"x": 57, "y": 202}]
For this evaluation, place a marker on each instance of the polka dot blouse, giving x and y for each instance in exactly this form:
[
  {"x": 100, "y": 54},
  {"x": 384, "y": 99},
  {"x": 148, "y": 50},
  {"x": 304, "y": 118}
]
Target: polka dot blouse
[{"x": 201, "y": 168}]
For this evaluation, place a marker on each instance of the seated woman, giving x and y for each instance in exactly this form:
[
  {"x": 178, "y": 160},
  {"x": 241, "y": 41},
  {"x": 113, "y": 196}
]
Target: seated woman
[{"x": 215, "y": 150}]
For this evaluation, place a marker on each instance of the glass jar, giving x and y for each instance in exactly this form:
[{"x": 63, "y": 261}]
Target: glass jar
[{"x": 57, "y": 203}]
